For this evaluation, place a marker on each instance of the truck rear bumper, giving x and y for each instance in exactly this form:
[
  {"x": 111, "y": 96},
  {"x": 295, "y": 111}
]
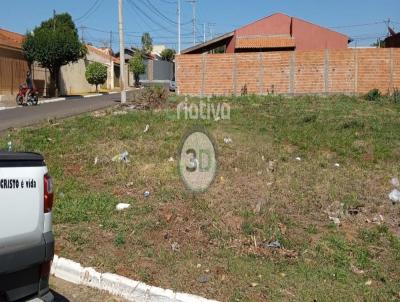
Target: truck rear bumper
[{"x": 20, "y": 270}]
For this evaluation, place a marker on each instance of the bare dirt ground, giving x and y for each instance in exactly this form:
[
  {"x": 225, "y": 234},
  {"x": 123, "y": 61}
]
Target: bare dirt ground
[{"x": 64, "y": 292}]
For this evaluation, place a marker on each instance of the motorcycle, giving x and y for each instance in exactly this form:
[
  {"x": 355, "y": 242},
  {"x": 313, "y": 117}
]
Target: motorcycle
[{"x": 31, "y": 100}]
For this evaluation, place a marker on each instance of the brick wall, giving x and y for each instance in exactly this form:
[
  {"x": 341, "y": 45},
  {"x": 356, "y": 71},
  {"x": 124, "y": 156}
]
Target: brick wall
[{"x": 351, "y": 71}]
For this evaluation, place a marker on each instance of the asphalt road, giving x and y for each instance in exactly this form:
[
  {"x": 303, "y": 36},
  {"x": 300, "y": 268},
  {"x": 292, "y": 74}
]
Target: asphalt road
[{"x": 26, "y": 116}]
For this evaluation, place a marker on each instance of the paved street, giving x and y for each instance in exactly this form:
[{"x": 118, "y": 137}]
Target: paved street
[{"x": 25, "y": 116}]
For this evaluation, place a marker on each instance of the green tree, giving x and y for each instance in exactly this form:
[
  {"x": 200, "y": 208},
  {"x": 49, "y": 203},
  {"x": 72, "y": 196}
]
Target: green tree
[
  {"x": 147, "y": 43},
  {"x": 137, "y": 66},
  {"x": 96, "y": 74},
  {"x": 53, "y": 44},
  {"x": 379, "y": 43},
  {"x": 168, "y": 54}
]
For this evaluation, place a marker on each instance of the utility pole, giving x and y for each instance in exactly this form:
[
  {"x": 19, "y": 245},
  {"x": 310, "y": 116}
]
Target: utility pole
[
  {"x": 179, "y": 27},
  {"x": 111, "y": 41},
  {"x": 193, "y": 2},
  {"x": 82, "y": 28},
  {"x": 210, "y": 28},
  {"x": 121, "y": 52}
]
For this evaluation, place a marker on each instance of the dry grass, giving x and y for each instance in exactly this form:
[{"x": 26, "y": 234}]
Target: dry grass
[{"x": 176, "y": 239}]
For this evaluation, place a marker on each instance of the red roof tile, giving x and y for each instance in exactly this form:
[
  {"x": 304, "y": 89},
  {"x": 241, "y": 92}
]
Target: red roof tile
[
  {"x": 11, "y": 39},
  {"x": 101, "y": 53},
  {"x": 265, "y": 42}
]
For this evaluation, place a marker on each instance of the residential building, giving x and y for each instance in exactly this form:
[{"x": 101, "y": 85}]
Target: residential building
[
  {"x": 274, "y": 33},
  {"x": 73, "y": 79},
  {"x": 13, "y": 66}
]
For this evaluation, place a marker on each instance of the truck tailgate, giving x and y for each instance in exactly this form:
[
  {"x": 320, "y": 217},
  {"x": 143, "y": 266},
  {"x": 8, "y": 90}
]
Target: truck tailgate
[{"x": 21, "y": 200}]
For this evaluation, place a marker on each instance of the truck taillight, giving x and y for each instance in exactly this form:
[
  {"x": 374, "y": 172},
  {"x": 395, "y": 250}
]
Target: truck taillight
[
  {"x": 45, "y": 268},
  {"x": 48, "y": 193}
]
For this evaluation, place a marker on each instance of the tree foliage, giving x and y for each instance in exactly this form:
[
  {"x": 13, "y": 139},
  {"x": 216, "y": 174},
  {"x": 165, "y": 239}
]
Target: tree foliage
[
  {"x": 137, "y": 66},
  {"x": 96, "y": 74},
  {"x": 147, "y": 43},
  {"x": 168, "y": 54},
  {"x": 53, "y": 44}
]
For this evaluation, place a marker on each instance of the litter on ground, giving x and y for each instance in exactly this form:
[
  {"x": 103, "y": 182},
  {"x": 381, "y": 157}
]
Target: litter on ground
[
  {"x": 227, "y": 140},
  {"x": 395, "y": 195},
  {"x": 335, "y": 220},
  {"x": 395, "y": 182},
  {"x": 121, "y": 157},
  {"x": 273, "y": 245},
  {"x": 122, "y": 206}
]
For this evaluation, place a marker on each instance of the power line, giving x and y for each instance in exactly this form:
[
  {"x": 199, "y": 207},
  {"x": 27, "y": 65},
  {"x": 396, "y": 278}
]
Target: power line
[
  {"x": 96, "y": 5},
  {"x": 133, "y": 4},
  {"x": 358, "y": 25},
  {"x": 156, "y": 11},
  {"x": 193, "y": 2}
]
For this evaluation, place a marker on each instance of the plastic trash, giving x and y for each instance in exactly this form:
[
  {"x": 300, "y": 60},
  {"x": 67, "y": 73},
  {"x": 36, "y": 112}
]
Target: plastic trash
[
  {"x": 298, "y": 158},
  {"x": 146, "y": 194},
  {"x": 335, "y": 220},
  {"x": 227, "y": 140},
  {"x": 122, "y": 206},
  {"x": 121, "y": 157},
  {"x": 337, "y": 165},
  {"x": 395, "y": 182},
  {"x": 175, "y": 247},
  {"x": 273, "y": 245},
  {"x": 395, "y": 195},
  {"x": 146, "y": 129},
  {"x": 9, "y": 144},
  {"x": 171, "y": 159},
  {"x": 96, "y": 160}
]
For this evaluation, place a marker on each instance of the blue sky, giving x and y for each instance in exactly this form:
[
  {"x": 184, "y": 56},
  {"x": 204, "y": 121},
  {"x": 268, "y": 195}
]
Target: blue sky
[{"x": 158, "y": 17}]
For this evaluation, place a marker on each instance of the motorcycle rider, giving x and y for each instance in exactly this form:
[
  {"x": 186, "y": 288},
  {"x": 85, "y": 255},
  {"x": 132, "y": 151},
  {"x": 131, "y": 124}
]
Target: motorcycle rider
[{"x": 29, "y": 84}]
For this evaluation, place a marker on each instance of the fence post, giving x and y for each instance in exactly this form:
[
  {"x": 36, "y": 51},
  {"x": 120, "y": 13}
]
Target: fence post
[
  {"x": 326, "y": 71},
  {"x": 391, "y": 86},
  {"x": 292, "y": 72},
  {"x": 234, "y": 77},
  {"x": 203, "y": 73},
  {"x": 261, "y": 73},
  {"x": 356, "y": 71}
]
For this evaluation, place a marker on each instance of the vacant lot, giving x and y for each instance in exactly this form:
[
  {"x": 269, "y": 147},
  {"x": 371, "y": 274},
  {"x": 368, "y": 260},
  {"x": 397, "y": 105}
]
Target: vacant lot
[{"x": 215, "y": 244}]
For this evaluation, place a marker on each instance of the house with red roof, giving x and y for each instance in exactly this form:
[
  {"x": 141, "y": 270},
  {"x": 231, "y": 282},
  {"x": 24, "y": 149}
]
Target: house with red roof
[
  {"x": 274, "y": 33},
  {"x": 13, "y": 66}
]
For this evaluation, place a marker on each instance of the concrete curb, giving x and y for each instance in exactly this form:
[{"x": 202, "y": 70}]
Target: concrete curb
[{"x": 128, "y": 289}]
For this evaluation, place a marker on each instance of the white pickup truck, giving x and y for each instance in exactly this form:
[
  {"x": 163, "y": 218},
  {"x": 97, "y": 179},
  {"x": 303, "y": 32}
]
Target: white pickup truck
[{"x": 26, "y": 237}]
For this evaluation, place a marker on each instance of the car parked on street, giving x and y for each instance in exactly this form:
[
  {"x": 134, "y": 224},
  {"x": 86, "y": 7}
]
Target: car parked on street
[{"x": 26, "y": 237}]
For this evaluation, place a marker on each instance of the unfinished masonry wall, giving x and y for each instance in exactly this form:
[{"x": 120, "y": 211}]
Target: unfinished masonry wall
[{"x": 350, "y": 71}]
